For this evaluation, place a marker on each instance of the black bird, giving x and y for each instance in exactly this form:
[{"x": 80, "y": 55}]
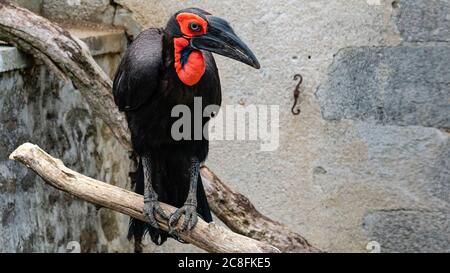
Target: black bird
[{"x": 163, "y": 68}]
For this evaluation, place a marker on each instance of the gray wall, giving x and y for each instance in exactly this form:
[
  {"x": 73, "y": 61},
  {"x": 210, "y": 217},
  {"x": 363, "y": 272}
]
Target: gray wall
[
  {"x": 37, "y": 107},
  {"x": 368, "y": 157}
]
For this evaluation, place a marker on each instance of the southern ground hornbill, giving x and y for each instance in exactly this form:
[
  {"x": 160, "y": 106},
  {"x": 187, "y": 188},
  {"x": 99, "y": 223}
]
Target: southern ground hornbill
[{"x": 163, "y": 68}]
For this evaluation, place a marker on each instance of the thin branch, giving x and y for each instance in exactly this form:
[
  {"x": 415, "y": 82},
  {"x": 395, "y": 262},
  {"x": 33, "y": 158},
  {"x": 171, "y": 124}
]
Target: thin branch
[
  {"x": 207, "y": 236},
  {"x": 239, "y": 214}
]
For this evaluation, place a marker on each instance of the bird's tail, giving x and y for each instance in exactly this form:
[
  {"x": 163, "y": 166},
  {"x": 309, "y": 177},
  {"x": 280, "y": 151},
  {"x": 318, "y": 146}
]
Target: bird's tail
[
  {"x": 136, "y": 228},
  {"x": 171, "y": 194}
]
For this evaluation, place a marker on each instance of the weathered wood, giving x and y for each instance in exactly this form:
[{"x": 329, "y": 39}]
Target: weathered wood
[
  {"x": 69, "y": 58},
  {"x": 207, "y": 236},
  {"x": 239, "y": 214}
]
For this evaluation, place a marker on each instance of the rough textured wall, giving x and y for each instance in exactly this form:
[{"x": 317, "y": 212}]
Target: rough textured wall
[
  {"x": 85, "y": 12},
  {"x": 368, "y": 157},
  {"x": 39, "y": 108}
]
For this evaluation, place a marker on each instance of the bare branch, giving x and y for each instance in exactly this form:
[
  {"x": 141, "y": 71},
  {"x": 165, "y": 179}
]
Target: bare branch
[
  {"x": 68, "y": 57},
  {"x": 207, "y": 236},
  {"x": 239, "y": 214}
]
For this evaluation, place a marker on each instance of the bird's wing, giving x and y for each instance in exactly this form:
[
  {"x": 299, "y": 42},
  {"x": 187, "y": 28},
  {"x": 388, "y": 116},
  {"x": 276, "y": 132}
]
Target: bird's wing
[{"x": 137, "y": 77}]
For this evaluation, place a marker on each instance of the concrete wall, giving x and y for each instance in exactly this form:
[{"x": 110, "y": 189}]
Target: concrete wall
[{"x": 368, "y": 157}]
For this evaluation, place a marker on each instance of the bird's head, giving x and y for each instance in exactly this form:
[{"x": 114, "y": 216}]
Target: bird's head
[{"x": 194, "y": 30}]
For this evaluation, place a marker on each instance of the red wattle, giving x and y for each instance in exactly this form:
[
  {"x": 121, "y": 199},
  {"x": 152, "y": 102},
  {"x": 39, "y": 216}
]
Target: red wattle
[{"x": 192, "y": 71}]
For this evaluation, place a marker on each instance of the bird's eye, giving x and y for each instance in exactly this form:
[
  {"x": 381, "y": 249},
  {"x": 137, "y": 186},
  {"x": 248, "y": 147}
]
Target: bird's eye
[{"x": 194, "y": 26}]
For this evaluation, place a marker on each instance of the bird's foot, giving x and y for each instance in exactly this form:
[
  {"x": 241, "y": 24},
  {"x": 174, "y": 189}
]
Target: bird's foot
[
  {"x": 190, "y": 218},
  {"x": 151, "y": 209}
]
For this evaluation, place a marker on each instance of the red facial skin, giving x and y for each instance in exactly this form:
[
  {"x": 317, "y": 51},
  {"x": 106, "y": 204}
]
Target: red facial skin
[
  {"x": 194, "y": 68},
  {"x": 185, "y": 18}
]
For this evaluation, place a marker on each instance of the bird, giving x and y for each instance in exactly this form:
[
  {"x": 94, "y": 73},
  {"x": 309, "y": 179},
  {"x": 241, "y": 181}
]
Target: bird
[{"x": 163, "y": 68}]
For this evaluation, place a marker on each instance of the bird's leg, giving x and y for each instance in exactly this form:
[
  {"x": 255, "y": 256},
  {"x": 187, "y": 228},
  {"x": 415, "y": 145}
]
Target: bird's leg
[
  {"x": 151, "y": 204},
  {"x": 189, "y": 208}
]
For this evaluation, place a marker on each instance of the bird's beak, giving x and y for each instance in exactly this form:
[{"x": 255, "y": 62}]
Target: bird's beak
[{"x": 221, "y": 39}]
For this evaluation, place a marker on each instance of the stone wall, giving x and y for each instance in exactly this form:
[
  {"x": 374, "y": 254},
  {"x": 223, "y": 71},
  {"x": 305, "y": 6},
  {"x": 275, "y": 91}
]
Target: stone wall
[
  {"x": 366, "y": 160},
  {"x": 39, "y": 108},
  {"x": 368, "y": 157}
]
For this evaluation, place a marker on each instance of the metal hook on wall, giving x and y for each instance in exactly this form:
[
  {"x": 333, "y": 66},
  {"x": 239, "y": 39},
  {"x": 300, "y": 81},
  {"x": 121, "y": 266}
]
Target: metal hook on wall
[{"x": 299, "y": 78}]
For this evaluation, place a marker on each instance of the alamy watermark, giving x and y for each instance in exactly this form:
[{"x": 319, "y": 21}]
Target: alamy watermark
[{"x": 230, "y": 123}]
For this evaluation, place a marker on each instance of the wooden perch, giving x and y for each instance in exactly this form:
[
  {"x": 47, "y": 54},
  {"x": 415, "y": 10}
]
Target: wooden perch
[
  {"x": 69, "y": 58},
  {"x": 207, "y": 236},
  {"x": 239, "y": 214}
]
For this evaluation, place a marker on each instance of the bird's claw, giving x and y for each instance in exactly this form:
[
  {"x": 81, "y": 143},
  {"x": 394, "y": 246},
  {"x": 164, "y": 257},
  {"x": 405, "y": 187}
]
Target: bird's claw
[
  {"x": 151, "y": 209},
  {"x": 190, "y": 218}
]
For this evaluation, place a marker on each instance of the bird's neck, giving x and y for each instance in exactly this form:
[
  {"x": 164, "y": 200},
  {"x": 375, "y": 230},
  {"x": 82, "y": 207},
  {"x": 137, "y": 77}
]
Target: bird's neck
[{"x": 189, "y": 62}]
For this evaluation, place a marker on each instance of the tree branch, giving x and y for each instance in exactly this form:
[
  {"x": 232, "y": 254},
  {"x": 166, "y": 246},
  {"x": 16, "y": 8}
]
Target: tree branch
[
  {"x": 207, "y": 236},
  {"x": 69, "y": 57},
  {"x": 239, "y": 214}
]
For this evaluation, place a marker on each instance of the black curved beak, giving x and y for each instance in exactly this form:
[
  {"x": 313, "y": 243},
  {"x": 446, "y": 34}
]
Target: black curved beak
[{"x": 222, "y": 40}]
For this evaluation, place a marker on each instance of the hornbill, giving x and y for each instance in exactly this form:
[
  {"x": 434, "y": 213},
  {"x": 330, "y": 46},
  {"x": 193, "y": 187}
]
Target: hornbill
[{"x": 160, "y": 69}]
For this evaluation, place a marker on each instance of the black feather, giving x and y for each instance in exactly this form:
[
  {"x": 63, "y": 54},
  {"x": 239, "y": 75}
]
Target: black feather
[{"x": 147, "y": 87}]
